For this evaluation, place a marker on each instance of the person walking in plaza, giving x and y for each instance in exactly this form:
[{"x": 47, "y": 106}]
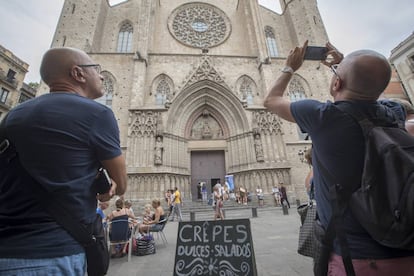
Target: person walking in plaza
[
  {"x": 338, "y": 145},
  {"x": 218, "y": 202},
  {"x": 283, "y": 196},
  {"x": 276, "y": 195},
  {"x": 204, "y": 191},
  {"x": 243, "y": 195},
  {"x": 177, "y": 202},
  {"x": 62, "y": 138},
  {"x": 260, "y": 196}
]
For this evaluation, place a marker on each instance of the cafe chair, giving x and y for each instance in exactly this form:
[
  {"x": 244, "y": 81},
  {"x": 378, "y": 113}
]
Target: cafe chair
[
  {"x": 120, "y": 232},
  {"x": 160, "y": 232}
]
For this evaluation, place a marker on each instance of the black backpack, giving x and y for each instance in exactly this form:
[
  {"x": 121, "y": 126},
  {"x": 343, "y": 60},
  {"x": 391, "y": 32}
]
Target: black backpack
[{"x": 384, "y": 204}]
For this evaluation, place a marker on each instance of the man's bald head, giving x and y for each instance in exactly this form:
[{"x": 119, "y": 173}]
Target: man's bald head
[
  {"x": 58, "y": 62},
  {"x": 366, "y": 73}
]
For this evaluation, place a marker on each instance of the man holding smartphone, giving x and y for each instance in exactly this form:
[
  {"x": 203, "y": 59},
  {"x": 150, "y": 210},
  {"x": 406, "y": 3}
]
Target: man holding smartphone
[
  {"x": 338, "y": 147},
  {"x": 62, "y": 139}
]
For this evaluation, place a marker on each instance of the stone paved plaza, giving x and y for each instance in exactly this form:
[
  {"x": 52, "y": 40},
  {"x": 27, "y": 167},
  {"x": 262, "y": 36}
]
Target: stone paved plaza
[{"x": 275, "y": 239}]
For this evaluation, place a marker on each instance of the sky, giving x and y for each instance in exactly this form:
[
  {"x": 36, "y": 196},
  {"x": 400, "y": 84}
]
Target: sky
[{"x": 27, "y": 26}]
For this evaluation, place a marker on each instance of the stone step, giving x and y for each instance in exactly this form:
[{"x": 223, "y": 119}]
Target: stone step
[
  {"x": 200, "y": 206},
  {"x": 235, "y": 213}
]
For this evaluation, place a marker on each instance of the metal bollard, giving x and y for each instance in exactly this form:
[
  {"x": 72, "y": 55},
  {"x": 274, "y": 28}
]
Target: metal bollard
[
  {"x": 254, "y": 212},
  {"x": 192, "y": 216},
  {"x": 285, "y": 208}
]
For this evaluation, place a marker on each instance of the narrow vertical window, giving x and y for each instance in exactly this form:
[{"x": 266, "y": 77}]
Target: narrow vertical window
[
  {"x": 163, "y": 90},
  {"x": 108, "y": 87},
  {"x": 3, "y": 95},
  {"x": 271, "y": 42},
  {"x": 125, "y": 38},
  {"x": 64, "y": 41},
  {"x": 246, "y": 91},
  {"x": 73, "y": 8}
]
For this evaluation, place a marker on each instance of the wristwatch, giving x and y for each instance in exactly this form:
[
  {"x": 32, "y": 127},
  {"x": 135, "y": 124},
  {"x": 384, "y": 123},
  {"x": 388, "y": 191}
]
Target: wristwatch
[{"x": 287, "y": 69}]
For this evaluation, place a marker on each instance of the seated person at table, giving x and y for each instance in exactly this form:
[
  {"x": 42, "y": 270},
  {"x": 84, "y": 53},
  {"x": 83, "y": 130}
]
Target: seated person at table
[
  {"x": 147, "y": 216},
  {"x": 120, "y": 211},
  {"x": 154, "y": 222},
  {"x": 128, "y": 205}
]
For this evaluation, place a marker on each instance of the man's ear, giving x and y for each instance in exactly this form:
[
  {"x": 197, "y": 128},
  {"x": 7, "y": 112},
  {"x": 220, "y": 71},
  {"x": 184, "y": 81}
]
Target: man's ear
[
  {"x": 78, "y": 74},
  {"x": 337, "y": 85}
]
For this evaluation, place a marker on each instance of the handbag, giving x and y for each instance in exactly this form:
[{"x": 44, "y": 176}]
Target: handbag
[
  {"x": 90, "y": 236},
  {"x": 97, "y": 253},
  {"x": 145, "y": 245},
  {"x": 307, "y": 214}
]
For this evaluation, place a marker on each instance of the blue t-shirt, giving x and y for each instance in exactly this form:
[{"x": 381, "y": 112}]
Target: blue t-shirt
[
  {"x": 338, "y": 144},
  {"x": 60, "y": 138},
  {"x": 100, "y": 213}
]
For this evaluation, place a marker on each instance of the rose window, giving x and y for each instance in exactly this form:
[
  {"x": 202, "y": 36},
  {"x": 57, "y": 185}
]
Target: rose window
[{"x": 199, "y": 25}]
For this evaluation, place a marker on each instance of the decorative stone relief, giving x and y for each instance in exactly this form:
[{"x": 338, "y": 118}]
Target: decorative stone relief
[
  {"x": 199, "y": 25},
  {"x": 258, "y": 148},
  {"x": 206, "y": 127},
  {"x": 205, "y": 71},
  {"x": 267, "y": 122},
  {"x": 143, "y": 123}
]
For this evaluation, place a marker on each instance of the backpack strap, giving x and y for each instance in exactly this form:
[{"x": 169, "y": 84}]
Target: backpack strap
[
  {"x": 335, "y": 227},
  {"x": 3, "y": 128},
  {"x": 80, "y": 232},
  {"x": 367, "y": 123}
]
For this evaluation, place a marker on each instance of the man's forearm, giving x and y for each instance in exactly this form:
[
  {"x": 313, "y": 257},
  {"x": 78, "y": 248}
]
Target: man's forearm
[
  {"x": 275, "y": 102},
  {"x": 280, "y": 85},
  {"x": 117, "y": 171}
]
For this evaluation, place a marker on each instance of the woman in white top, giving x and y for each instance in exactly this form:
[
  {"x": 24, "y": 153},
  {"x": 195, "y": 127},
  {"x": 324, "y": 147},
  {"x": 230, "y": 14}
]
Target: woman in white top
[{"x": 218, "y": 199}]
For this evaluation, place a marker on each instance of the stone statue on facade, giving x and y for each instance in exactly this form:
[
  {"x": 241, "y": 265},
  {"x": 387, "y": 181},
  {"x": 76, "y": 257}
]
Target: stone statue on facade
[
  {"x": 258, "y": 148},
  {"x": 158, "y": 150},
  {"x": 206, "y": 130}
]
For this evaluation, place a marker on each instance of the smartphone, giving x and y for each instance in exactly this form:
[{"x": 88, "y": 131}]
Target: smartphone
[
  {"x": 315, "y": 53},
  {"x": 102, "y": 181}
]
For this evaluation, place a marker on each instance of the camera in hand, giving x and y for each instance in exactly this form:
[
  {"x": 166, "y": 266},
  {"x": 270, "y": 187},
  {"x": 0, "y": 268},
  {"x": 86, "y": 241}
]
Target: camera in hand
[
  {"x": 315, "y": 53},
  {"x": 102, "y": 181}
]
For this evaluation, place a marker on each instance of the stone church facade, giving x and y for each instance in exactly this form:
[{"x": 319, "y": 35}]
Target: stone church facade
[{"x": 186, "y": 81}]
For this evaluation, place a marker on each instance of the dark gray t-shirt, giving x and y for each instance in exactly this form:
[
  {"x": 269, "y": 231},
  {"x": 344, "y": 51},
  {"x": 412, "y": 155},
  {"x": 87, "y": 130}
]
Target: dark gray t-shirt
[
  {"x": 61, "y": 139},
  {"x": 338, "y": 144}
]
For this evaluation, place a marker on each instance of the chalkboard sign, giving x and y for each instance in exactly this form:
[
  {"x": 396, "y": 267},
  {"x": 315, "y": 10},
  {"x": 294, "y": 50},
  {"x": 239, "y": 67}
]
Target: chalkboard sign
[{"x": 211, "y": 247}]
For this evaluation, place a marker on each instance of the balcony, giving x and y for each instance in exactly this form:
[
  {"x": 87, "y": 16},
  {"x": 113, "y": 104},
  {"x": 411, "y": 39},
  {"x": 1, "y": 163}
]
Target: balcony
[{"x": 12, "y": 82}]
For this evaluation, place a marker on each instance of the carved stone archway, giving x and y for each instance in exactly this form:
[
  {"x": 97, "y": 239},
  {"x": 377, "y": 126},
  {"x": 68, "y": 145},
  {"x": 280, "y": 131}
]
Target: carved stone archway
[{"x": 206, "y": 93}]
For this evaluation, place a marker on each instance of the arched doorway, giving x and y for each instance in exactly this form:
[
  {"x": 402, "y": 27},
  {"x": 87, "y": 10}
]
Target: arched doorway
[
  {"x": 207, "y": 116},
  {"x": 207, "y": 167}
]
